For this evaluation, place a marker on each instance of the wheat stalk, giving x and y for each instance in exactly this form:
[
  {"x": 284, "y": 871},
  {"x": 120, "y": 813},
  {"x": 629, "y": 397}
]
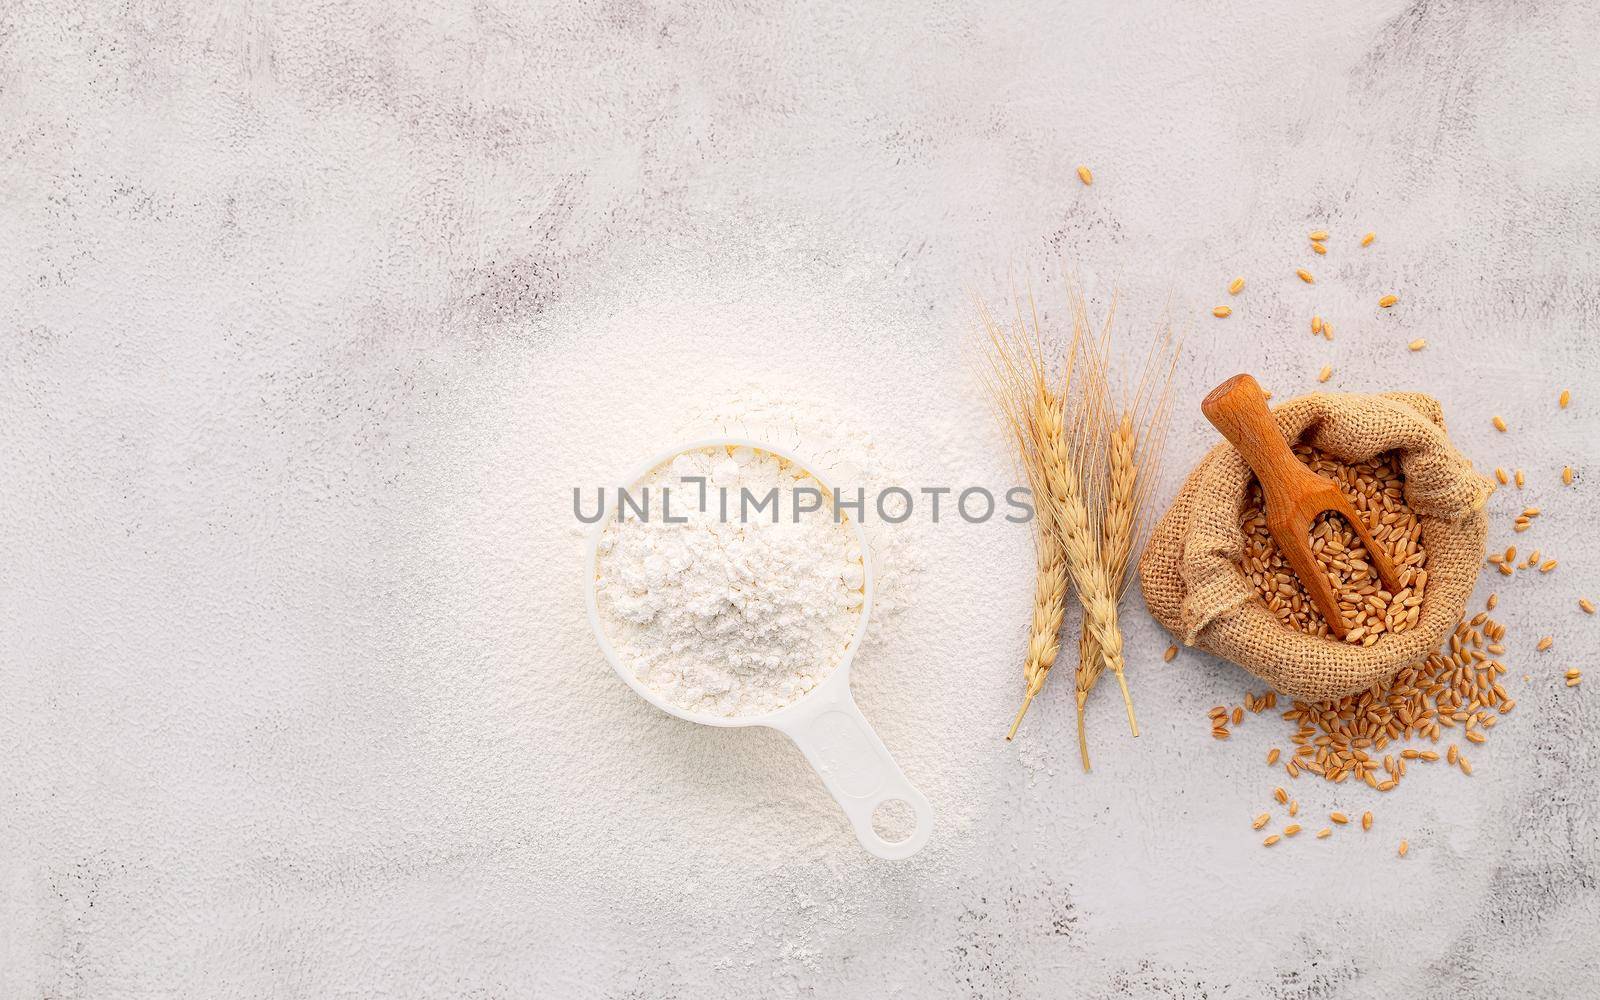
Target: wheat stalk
[
  {"x": 1084, "y": 469},
  {"x": 1063, "y": 439},
  {"x": 1030, "y": 398},
  {"x": 1049, "y": 605},
  {"x": 1116, "y": 544},
  {"x": 1132, "y": 450},
  {"x": 1080, "y": 525}
]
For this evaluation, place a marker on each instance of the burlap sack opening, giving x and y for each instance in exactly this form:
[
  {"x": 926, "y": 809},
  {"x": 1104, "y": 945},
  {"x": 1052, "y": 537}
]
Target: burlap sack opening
[{"x": 1190, "y": 568}]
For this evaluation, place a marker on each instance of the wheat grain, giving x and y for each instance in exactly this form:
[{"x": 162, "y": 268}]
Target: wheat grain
[
  {"x": 1236, "y": 286},
  {"x": 1388, "y": 300},
  {"x": 1305, "y": 276},
  {"x": 1376, "y": 489},
  {"x": 1366, "y": 240},
  {"x": 1499, "y": 423},
  {"x": 1454, "y": 686},
  {"x": 1564, "y": 398},
  {"x": 1085, "y": 175},
  {"x": 1222, "y": 312}
]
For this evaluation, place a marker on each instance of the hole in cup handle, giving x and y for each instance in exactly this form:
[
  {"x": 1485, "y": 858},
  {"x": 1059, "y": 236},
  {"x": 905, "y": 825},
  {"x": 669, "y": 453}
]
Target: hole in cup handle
[{"x": 858, "y": 771}]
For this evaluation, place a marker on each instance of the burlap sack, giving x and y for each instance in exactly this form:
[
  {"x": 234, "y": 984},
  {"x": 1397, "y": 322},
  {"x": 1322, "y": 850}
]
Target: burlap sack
[{"x": 1190, "y": 568}]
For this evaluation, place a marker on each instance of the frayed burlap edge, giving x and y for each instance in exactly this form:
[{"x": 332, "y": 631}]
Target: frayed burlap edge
[{"x": 1190, "y": 568}]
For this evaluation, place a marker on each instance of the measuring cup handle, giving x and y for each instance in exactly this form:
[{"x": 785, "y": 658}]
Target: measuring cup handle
[{"x": 857, "y": 769}]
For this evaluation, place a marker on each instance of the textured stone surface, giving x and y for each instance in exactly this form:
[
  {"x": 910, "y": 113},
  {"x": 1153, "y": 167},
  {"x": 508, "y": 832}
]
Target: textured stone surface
[{"x": 311, "y": 315}]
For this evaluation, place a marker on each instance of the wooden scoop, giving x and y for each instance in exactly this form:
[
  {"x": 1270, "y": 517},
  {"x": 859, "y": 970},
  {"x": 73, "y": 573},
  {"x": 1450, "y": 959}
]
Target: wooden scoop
[{"x": 1293, "y": 494}]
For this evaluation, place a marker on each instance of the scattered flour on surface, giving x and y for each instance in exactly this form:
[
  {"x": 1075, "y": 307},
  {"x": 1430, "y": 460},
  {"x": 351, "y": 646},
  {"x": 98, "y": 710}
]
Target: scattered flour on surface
[{"x": 726, "y": 615}]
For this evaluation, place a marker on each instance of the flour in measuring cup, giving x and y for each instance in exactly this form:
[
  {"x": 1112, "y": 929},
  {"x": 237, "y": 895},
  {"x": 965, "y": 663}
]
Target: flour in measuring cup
[{"x": 726, "y": 617}]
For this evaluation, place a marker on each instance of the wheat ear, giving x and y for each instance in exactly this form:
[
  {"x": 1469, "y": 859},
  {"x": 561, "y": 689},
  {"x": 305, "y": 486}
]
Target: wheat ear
[
  {"x": 1079, "y": 525},
  {"x": 1049, "y": 606},
  {"x": 1019, "y": 386},
  {"x": 1133, "y": 451}
]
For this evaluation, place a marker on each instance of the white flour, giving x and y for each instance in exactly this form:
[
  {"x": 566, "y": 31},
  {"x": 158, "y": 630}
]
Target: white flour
[{"x": 724, "y": 615}]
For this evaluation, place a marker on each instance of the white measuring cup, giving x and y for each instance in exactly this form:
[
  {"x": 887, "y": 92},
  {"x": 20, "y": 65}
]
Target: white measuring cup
[{"x": 824, "y": 723}]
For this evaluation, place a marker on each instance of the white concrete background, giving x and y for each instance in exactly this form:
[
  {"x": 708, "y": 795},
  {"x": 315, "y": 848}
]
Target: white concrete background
[{"x": 310, "y": 316}]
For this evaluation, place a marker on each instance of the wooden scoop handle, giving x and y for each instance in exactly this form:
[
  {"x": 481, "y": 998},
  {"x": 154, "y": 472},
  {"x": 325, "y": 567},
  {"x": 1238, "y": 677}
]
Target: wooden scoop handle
[
  {"x": 1238, "y": 408},
  {"x": 1292, "y": 494}
]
